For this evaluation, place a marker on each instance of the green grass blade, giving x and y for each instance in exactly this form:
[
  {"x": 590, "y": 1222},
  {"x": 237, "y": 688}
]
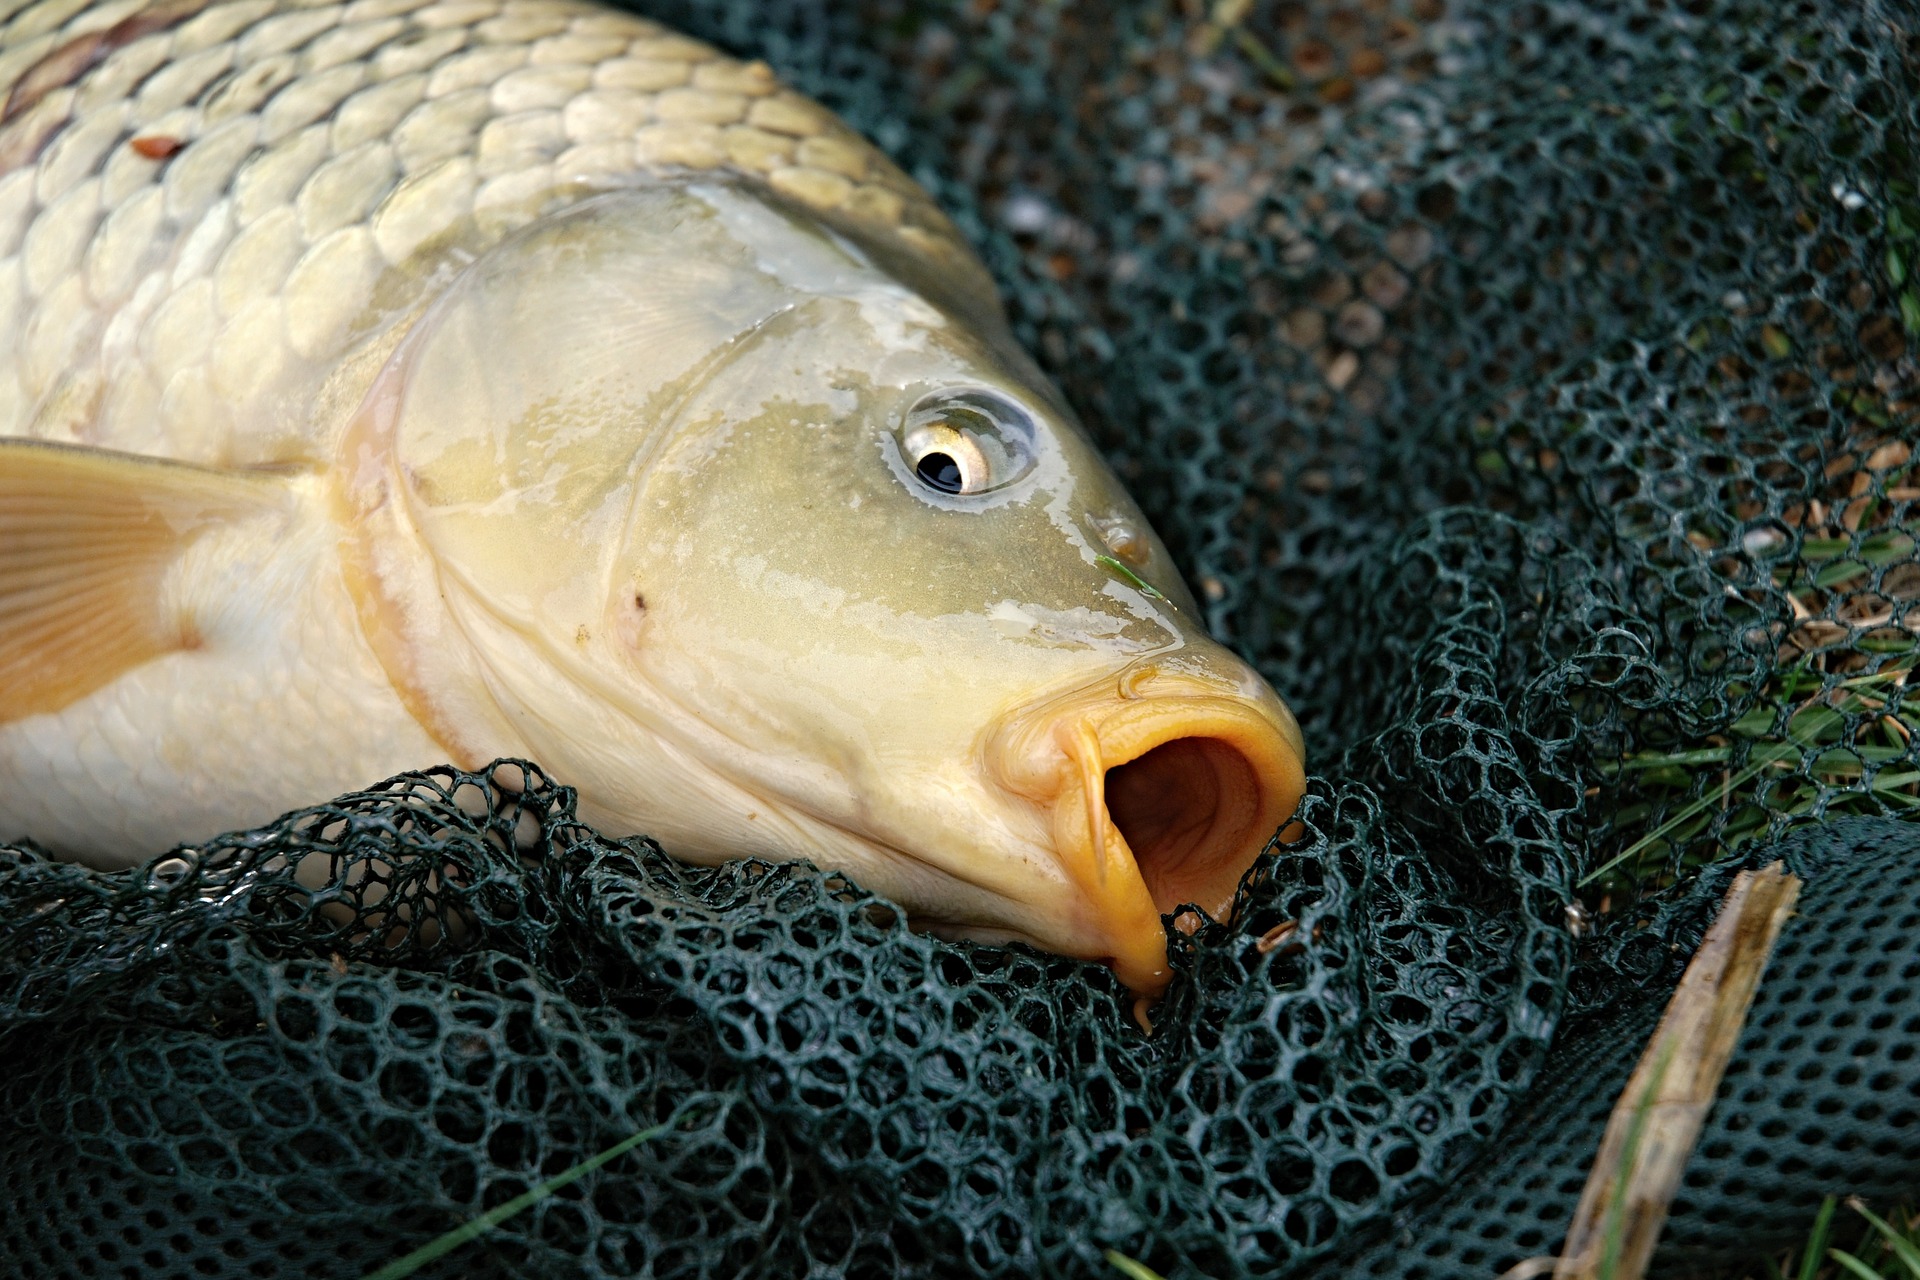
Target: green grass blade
[
  {"x": 1129, "y": 1268},
  {"x": 1263, "y": 58},
  {"x": 1854, "y": 1265},
  {"x": 1663, "y": 760},
  {"x": 1817, "y": 1241},
  {"x": 1896, "y": 1241},
  {"x": 1129, "y": 577},
  {"x": 1686, "y": 811},
  {"x": 400, "y": 1268}
]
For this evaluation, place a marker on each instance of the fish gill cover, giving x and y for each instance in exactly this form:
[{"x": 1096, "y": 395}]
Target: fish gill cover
[{"x": 1528, "y": 390}]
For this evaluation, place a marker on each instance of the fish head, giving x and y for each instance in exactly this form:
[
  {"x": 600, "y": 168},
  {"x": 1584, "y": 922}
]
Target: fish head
[{"x": 772, "y": 548}]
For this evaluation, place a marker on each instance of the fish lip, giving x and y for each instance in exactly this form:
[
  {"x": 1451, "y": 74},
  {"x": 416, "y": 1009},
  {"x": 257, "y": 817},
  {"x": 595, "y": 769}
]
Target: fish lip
[{"x": 1060, "y": 754}]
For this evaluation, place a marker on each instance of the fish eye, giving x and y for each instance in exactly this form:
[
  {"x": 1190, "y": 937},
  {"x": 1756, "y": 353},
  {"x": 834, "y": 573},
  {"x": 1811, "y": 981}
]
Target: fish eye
[{"x": 967, "y": 443}]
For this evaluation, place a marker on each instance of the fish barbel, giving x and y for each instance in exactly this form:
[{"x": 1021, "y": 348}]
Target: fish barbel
[{"x": 397, "y": 381}]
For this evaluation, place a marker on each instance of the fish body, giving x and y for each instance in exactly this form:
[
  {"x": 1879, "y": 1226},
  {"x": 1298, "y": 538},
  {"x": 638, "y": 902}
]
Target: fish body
[{"x": 399, "y": 381}]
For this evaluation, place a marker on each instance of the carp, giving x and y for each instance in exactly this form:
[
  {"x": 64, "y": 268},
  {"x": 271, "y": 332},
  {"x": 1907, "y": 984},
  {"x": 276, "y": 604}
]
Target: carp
[{"x": 400, "y": 381}]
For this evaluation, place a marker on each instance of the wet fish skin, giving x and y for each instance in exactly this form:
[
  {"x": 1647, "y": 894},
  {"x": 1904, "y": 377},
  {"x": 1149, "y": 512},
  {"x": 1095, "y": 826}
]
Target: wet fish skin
[
  {"x": 214, "y": 219},
  {"x": 384, "y": 383}
]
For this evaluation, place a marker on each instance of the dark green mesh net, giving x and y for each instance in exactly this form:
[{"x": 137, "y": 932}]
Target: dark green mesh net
[
  {"x": 1526, "y": 388},
  {"x": 1818, "y": 1100}
]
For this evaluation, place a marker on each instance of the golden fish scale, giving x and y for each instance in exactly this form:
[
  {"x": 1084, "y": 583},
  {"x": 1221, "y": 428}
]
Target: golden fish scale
[{"x": 327, "y": 160}]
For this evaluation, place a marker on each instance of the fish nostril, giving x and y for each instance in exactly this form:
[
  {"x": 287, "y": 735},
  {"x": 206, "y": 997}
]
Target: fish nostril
[{"x": 1190, "y": 811}]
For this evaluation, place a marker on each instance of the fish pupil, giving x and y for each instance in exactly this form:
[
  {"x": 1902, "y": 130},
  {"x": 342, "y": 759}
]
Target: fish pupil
[{"x": 940, "y": 471}]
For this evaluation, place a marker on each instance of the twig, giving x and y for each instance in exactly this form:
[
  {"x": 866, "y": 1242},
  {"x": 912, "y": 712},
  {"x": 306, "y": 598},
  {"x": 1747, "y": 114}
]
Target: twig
[{"x": 1658, "y": 1117}]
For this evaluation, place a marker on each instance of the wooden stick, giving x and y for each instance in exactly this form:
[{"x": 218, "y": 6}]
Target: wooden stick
[{"x": 1658, "y": 1117}]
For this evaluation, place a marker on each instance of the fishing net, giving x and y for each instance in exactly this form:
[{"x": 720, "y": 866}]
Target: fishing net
[
  {"x": 1526, "y": 389},
  {"x": 1819, "y": 1098}
]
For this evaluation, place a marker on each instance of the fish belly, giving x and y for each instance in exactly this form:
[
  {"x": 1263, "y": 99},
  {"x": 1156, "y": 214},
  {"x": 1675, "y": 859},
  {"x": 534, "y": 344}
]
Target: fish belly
[{"x": 278, "y": 702}]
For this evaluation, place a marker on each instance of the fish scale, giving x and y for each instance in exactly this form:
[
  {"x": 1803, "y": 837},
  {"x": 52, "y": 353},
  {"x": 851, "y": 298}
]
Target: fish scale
[
  {"x": 389, "y": 383},
  {"x": 331, "y": 158}
]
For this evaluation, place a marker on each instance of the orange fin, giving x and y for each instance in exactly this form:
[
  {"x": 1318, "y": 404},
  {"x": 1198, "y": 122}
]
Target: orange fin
[{"x": 86, "y": 538}]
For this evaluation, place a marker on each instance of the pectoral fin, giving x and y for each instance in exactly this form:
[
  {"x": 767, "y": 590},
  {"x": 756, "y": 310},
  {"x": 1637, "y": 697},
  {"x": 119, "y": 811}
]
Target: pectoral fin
[{"x": 86, "y": 539}]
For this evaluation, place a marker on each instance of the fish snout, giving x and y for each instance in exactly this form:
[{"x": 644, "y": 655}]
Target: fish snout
[{"x": 1157, "y": 797}]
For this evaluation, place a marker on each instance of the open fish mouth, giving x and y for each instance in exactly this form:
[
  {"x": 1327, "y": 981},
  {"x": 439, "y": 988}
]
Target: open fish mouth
[{"x": 1156, "y": 801}]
